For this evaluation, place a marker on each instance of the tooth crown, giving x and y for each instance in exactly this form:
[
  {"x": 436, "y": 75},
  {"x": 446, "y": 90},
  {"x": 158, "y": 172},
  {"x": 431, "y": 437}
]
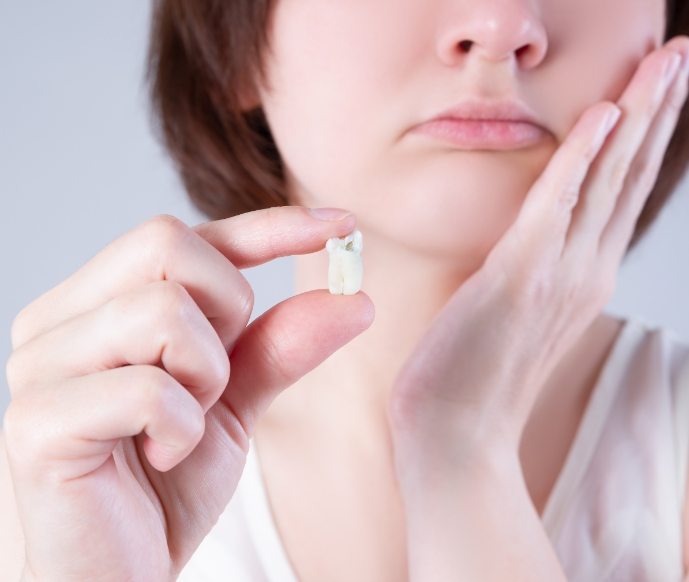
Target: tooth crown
[{"x": 345, "y": 267}]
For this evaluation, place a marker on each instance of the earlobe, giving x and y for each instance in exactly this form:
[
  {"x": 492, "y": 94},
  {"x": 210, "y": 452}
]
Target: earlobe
[
  {"x": 247, "y": 93},
  {"x": 248, "y": 100}
]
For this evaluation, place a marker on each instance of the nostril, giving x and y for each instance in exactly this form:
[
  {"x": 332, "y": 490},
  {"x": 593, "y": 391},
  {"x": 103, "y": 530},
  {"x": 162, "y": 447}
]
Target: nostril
[
  {"x": 465, "y": 45},
  {"x": 523, "y": 50}
]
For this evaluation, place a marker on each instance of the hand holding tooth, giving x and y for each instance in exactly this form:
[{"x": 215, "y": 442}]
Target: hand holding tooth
[{"x": 137, "y": 382}]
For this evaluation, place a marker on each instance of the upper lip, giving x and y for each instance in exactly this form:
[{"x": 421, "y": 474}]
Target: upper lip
[{"x": 497, "y": 110}]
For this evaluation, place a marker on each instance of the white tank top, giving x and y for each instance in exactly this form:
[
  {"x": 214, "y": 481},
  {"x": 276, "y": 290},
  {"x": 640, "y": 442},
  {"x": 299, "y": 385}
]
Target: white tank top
[{"x": 615, "y": 511}]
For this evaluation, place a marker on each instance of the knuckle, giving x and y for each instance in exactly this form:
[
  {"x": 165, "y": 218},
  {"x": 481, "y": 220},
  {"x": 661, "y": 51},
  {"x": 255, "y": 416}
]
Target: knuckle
[
  {"x": 531, "y": 288},
  {"x": 544, "y": 289},
  {"x": 164, "y": 222},
  {"x": 583, "y": 283},
  {"x": 584, "y": 149},
  {"x": 197, "y": 422},
  {"x": 19, "y": 328},
  {"x": 118, "y": 309},
  {"x": 221, "y": 369},
  {"x": 569, "y": 196},
  {"x": 569, "y": 277},
  {"x": 164, "y": 233},
  {"x": 618, "y": 173},
  {"x": 14, "y": 372},
  {"x": 156, "y": 385},
  {"x": 566, "y": 288},
  {"x": 173, "y": 299},
  {"x": 165, "y": 304},
  {"x": 177, "y": 310},
  {"x": 22, "y": 444},
  {"x": 588, "y": 153}
]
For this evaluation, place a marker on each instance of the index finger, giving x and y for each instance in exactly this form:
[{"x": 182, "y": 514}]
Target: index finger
[
  {"x": 205, "y": 259},
  {"x": 573, "y": 212}
]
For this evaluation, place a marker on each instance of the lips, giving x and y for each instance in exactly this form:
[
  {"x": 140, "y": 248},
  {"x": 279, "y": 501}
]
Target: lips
[
  {"x": 503, "y": 110},
  {"x": 476, "y": 124}
]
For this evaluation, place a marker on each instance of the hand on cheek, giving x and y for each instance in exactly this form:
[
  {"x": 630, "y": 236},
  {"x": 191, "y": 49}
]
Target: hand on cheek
[{"x": 472, "y": 381}]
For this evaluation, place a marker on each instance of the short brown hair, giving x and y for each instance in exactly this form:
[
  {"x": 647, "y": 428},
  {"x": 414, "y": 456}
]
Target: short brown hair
[{"x": 203, "y": 56}]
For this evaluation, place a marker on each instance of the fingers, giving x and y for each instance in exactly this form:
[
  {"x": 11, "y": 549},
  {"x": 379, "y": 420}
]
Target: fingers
[
  {"x": 163, "y": 248},
  {"x": 71, "y": 430},
  {"x": 158, "y": 323},
  {"x": 132, "y": 310},
  {"x": 541, "y": 226},
  {"x": 204, "y": 259},
  {"x": 284, "y": 344},
  {"x": 641, "y": 103},
  {"x": 254, "y": 238},
  {"x": 549, "y": 226},
  {"x": 617, "y": 234},
  {"x": 77, "y": 419}
]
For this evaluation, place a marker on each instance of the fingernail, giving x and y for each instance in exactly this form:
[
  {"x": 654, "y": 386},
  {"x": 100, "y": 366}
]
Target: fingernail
[
  {"x": 611, "y": 119},
  {"x": 671, "y": 66},
  {"x": 329, "y": 213}
]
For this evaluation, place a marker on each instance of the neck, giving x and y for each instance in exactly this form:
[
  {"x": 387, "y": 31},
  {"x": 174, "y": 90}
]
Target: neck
[
  {"x": 347, "y": 394},
  {"x": 344, "y": 400}
]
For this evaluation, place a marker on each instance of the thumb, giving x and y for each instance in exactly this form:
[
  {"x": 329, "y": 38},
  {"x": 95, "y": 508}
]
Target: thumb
[{"x": 288, "y": 341}]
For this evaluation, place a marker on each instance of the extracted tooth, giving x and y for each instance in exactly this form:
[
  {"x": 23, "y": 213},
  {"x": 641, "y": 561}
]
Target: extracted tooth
[{"x": 345, "y": 267}]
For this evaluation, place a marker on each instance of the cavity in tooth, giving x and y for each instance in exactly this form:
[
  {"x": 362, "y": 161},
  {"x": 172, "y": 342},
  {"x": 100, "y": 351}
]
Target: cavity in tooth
[{"x": 345, "y": 267}]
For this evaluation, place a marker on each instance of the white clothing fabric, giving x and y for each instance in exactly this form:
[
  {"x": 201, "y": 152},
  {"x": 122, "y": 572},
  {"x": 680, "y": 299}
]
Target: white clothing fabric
[{"x": 614, "y": 514}]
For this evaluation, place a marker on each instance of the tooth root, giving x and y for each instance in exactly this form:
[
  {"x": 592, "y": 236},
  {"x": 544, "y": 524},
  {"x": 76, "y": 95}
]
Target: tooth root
[{"x": 345, "y": 267}]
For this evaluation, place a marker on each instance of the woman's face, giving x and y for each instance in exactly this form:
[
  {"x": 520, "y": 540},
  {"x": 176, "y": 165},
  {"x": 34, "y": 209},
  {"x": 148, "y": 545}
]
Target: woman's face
[{"x": 349, "y": 78}]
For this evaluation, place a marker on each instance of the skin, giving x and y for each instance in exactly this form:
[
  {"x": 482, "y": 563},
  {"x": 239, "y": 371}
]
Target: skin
[
  {"x": 120, "y": 401},
  {"x": 136, "y": 383},
  {"x": 416, "y": 204}
]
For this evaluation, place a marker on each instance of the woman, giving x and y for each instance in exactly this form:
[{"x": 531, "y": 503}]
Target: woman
[{"x": 491, "y": 423}]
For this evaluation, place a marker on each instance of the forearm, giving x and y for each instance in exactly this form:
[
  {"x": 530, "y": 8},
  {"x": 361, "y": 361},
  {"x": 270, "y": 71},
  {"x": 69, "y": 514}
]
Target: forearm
[
  {"x": 27, "y": 575},
  {"x": 478, "y": 524}
]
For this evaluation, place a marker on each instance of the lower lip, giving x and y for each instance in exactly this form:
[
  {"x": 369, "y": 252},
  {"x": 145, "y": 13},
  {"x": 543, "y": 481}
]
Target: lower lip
[{"x": 473, "y": 134}]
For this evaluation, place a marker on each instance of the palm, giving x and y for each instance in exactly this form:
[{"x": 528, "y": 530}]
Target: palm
[{"x": 149, "y": 522}]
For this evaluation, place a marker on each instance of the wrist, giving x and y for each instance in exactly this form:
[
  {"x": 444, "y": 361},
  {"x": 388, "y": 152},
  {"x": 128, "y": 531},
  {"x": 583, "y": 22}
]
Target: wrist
[
  {"x": 440, "y": 475},
  {"x": 27, "y": 575},
  {"x": 458, "y": 439}
]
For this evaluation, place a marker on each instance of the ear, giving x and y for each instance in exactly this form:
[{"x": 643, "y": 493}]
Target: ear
[
  {"x": 248, "y": 94},
  {"x": 248, "y": 100}
]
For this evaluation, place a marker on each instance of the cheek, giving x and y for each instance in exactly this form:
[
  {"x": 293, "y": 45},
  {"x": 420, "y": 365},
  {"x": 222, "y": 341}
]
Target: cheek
[
  {"x": 326, "y": 143},
  {"x": 586, "y": 66},
  {"x": 325, "y": 77},
  {"x": 343, "y": 90}
]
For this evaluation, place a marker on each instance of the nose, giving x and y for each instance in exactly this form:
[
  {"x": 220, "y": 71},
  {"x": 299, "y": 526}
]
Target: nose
[{"x": 492, "y": 30}]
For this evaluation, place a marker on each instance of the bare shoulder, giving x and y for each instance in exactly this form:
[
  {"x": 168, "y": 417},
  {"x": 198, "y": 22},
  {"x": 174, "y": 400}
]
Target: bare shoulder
[{"x": 11, "y": 535}]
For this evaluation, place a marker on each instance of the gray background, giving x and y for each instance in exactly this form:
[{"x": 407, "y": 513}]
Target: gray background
[{"x": 79, "y": 166}]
